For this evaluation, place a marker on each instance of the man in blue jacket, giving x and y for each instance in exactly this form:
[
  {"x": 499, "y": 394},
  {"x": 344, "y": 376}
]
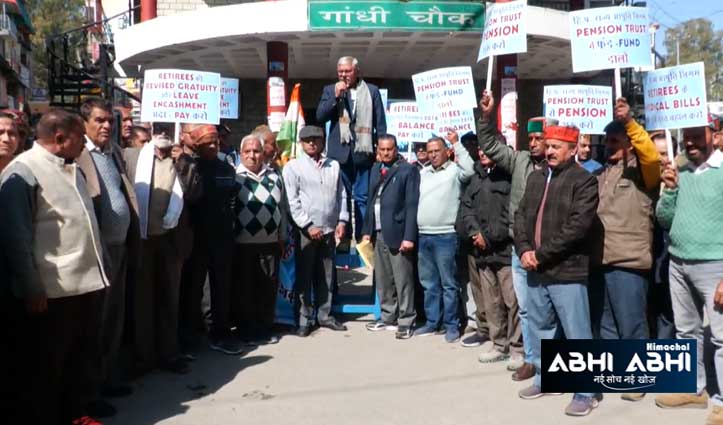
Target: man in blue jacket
[
  {"x": 392, "y": 225},
  {"x": 356, "y": 114}
]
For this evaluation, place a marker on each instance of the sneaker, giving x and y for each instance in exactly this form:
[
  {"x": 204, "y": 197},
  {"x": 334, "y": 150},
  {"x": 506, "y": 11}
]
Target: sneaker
[
  {"x": 715, "y": 417},
  {"x": 100, "y": 409},
  {"x": 86, "y": 420},
  {"x": 679, "y": 401},
  {"x": 515, "y": 362},
  {"x": 227, "y": 346},
  {"x": 380, "y": 326},
  {"x": 632, "y": 396},
  {"x": 532, "y": 392},
  {"x": 404, "y": 332},
  {"x": 333, "y": 324},
  {"x": 581, "y": 405},
  {"x": 492, "y": 356},
  {"x": 425, "y": 330},
  {"x": 474, "y": 340},
  {"x": 451, "y": 336}
]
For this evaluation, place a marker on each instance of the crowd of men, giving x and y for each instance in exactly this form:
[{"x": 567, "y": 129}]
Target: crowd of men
[{"x": 106, "y": 248}]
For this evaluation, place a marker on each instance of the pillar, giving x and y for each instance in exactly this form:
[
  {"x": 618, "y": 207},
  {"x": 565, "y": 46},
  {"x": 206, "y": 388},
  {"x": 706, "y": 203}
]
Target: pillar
[
  {"x": 277, "y": 72},
  {"x": 277, "y": 59},
  {"x": 149, "y": 9}
]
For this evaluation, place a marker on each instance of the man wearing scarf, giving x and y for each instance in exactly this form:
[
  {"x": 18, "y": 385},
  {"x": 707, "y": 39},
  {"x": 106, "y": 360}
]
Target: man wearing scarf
[{"x": 355, "y": 111}]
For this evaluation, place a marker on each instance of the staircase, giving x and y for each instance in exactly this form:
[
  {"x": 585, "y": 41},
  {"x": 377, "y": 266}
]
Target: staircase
[{"x": 74, "y": 74}]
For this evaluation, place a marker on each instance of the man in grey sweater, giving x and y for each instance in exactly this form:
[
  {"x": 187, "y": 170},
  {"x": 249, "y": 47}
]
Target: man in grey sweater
[
  {"x": 317, "y": 203},
  {"x": 439, "y": 193}
]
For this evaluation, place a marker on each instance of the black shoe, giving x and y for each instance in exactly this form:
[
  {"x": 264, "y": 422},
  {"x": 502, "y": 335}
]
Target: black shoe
[
  {"x": 116, "y": 391},
  {"x": 333, "y": 325},
  {"x": 178, "y": 366},
  {"x": 100, "y": 409},
  {"x": 303, "y": 331},
  {"x": 404, "y": 332}
]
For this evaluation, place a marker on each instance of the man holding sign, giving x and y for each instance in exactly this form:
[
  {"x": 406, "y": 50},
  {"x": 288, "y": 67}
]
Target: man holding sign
[{"x": 691, "y": 206}]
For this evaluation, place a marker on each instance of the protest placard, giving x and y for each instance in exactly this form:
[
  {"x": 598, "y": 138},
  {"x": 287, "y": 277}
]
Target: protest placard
[
  {"x": 229, "y": 98},
  {"x": 459, "y": 121},
  {"x": 505, "y": 29},
  {"x": 675, "y": 97},
  {"x": 589, "y": 108},
  {"x": 408, "y": 124},
  {"x": 609, "y": 38},
  {"x": 445, "y": 89},
  {"x": 178, "y": 95}
]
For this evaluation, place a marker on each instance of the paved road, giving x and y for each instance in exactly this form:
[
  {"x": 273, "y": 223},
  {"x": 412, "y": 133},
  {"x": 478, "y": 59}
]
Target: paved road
[{"x": 358, "y": 377}]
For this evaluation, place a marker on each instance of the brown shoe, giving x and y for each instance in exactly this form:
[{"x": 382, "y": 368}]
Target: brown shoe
[
  {"x": 633, "y": 396},
  {"x": 715, "y": 417},
  {"x": 527, "y": 371},
  {"x": 679, "y": 401}
]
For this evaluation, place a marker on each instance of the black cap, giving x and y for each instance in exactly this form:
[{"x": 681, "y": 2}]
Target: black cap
[{"x": 310, "y": 131}]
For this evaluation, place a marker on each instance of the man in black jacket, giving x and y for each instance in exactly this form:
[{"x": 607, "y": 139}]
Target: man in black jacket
[
  {"x": 551, "y": 232},
  {"x": 484, "y": 210},
  {"x": 392, "y": 225}
]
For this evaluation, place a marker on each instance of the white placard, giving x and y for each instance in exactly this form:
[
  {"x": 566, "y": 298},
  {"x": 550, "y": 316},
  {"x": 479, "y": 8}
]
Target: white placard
[
  {"x": 609, "y": 37},
  {"x": 675, "y": 97},
  {"x": 384, "y": 93},
  {"x": 460, "y": 121},
  {"x": 179, "y": 95},
  {"x": 408, "y": 124},
  {"x": 445, "y": 89},
  {"x": 505, "y": 29},
  {"x": 229, "y": 98},
  {"x": 589, "y": 108}
]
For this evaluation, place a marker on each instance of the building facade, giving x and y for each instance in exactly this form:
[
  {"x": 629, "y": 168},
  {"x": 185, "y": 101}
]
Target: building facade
[{"x": 15, "y": 30}]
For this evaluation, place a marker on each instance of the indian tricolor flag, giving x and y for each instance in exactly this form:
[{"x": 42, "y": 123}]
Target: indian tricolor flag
[{"x": 294, "y": 122}]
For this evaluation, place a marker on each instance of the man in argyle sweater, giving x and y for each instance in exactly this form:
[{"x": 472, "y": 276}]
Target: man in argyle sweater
[{"x": 260, "y": 230}]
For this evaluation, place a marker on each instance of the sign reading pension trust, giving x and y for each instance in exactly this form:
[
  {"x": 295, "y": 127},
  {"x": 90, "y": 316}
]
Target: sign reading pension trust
[
  {"x": 445, "y": 89},
  {"x": 505, "y": 30},
  {"x": 675, "y": 97},
  {"x": 178, "y": 95},
  {"x": 609, "y": 37},
  {"x": 415, "y": 15},
  {"x": 589, "y": 108}
]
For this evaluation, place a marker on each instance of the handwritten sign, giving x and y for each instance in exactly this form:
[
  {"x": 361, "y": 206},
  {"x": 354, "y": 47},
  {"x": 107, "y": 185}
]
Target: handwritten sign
[
  {"x": 609, "y": 37},
  {"x": 408, "y": 124},
  {"x": 445, "y": 89},
  {"x": 229, "y": 98},
  {"x": 589, "y": 108},
  {"x": 459, "y": 121},
  {"x": 178, "y": 95},
  {"x": 675, "y": 97},
  {"x": 505, "y": 29}
]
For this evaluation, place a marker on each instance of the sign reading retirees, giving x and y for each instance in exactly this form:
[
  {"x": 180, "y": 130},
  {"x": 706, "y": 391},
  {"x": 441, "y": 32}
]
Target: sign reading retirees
[
  {"x": 445, "y": 89},
  {"x": 229, "y": 98},
  {"x": 415, "y": 15},
  {"x": 609, "y": 37},
  {"x": 505, "y": 29},
  {"x": 408, "y": 124},
  {"x": 589, "y": 108},
  {"x": 675, "y": 97},
  {"x": 178, "y": 95}
]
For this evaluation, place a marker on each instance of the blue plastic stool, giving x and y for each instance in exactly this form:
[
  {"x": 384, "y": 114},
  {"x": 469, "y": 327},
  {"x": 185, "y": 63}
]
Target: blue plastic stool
[{"x": 356, "y": 304}]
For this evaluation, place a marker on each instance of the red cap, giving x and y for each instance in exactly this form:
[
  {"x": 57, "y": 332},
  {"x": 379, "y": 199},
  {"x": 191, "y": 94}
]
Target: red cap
[{"x": 564, "y": 134}]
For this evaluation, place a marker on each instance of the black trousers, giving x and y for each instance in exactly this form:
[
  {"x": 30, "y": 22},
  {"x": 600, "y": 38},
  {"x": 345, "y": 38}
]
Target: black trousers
[
  {"x": 256, "y": 283},
  {"x": 53, "y": 358}
]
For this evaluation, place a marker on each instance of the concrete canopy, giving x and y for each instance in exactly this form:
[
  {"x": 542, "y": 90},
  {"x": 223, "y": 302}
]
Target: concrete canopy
[{"x": 232, "y": 40}]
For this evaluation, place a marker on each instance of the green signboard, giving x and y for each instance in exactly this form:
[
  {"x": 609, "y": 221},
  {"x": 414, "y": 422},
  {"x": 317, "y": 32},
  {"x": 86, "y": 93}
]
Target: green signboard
[{"x": 419, "y": 15}]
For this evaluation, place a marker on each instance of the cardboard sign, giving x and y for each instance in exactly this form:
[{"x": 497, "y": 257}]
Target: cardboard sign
[
  {"x": 505, "y": 29},
  {"x": 408, "y": 124},
  {"x": 179, "y": 95},
  {"x": 460, "y": 121},
  {"x": 229, "y": 98},
  {"x": 609, "y": 37},
  {"x": 445, "y": 89},
  {"x": 589, "y": 108},
  {"x": 675, "y": 97}
]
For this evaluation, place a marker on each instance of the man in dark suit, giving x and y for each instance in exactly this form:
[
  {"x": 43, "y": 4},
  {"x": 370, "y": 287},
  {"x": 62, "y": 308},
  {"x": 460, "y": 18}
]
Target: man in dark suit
[
  {"x": 356, "y": 113},
  {"x": 392, "y": 225}
]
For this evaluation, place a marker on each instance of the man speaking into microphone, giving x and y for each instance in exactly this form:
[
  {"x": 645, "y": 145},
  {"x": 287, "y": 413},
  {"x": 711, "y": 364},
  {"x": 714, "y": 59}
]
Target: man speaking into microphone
[{"x": 355, "y": 111}]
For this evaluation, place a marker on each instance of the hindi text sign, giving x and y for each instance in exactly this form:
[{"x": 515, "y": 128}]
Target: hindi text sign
[
  {"x": 675, "y": 97},
  {"x": 589, "y": 108},
  {"x": 505, "y": 30},
  {"x": 229, "y": 98},
  {"x": 445, "y": 89},
  {"x": 609, "y": 37},
  {"x": 178, "y": 95}
]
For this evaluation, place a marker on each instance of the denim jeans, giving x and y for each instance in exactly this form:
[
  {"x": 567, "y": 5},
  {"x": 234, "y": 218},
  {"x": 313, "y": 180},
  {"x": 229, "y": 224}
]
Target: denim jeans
[
  {"x": 519, "y": 281},
  {"x": 437, "y": 268},
  {"x": 554, "y": 307},
  {"x": 356, "y": 183},
  {"x": 618, "y": 298}
]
